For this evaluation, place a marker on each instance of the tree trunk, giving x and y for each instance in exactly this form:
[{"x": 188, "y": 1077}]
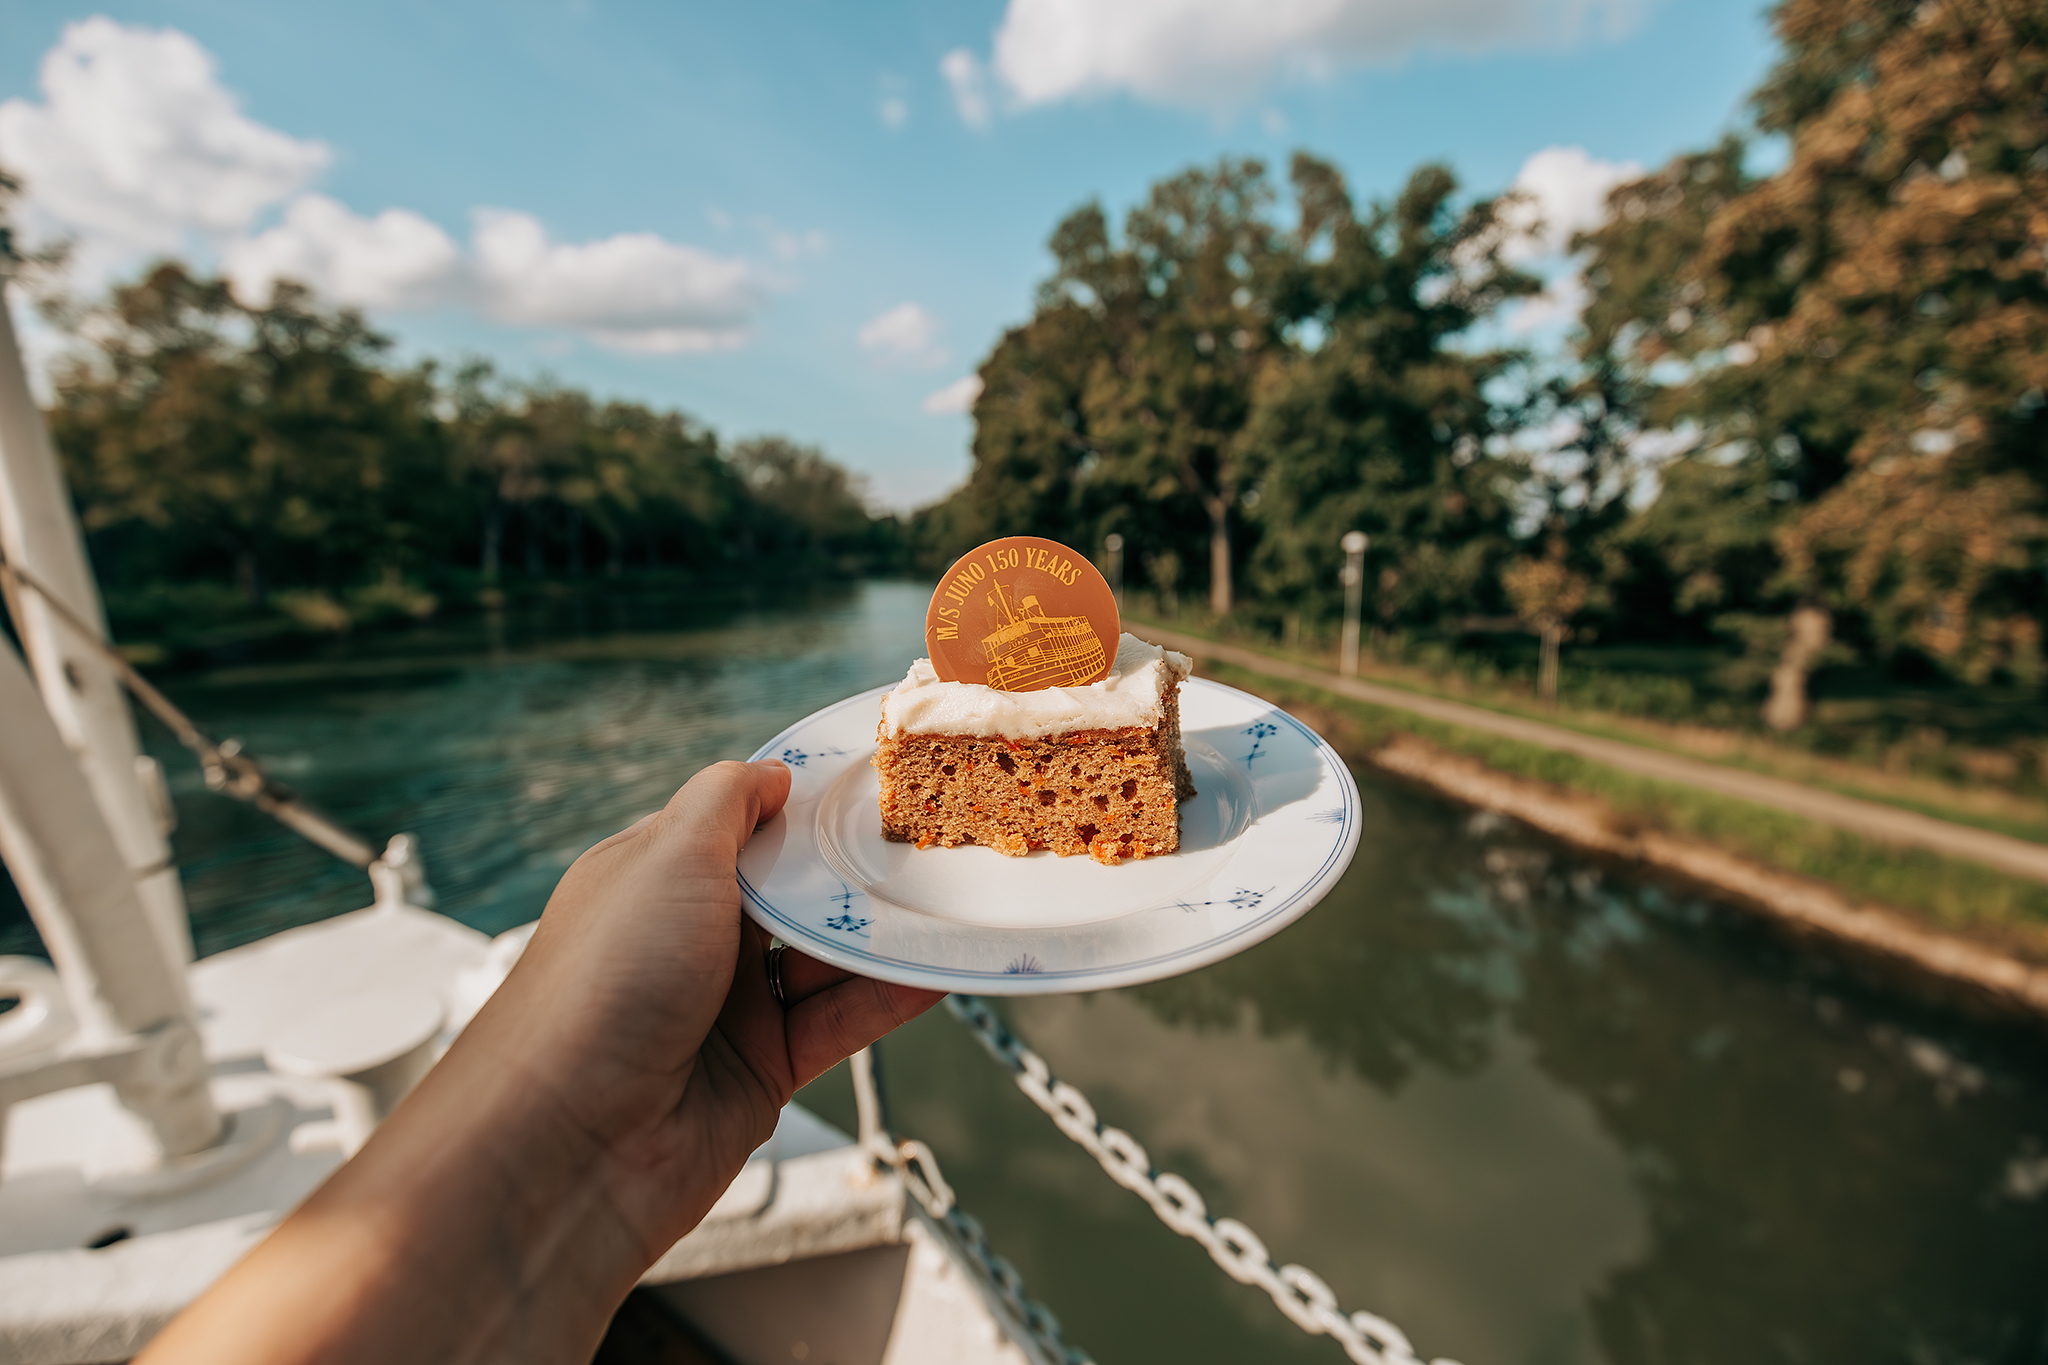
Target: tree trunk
[
  {"x": 1384, "y": 604},
  {"x": 534, "y": 566},
  {"x": 1546, "y": 674},
  {"x": 1811, "y": 630},
  {"x": 248, "y": 578},
  {"x": 614, "y": 556},
  {"x": 575, "y": 542},
  {"x": 494, "y": 535},
  {"x": 1219, "y": 555}
]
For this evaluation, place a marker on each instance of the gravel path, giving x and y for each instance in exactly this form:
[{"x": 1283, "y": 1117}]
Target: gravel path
[{"x": 2018, "y": 857}]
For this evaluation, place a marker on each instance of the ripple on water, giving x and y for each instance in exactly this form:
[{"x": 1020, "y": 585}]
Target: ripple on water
[{"x": 1529, "y": 1109}]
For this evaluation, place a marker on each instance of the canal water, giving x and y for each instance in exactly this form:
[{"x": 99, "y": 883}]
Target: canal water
[{"x": 1530, "y": 1108}]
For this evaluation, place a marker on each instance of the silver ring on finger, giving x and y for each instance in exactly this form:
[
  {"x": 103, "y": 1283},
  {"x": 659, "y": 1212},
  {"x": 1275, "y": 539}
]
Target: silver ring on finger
[{"x": 774, "y": 964}]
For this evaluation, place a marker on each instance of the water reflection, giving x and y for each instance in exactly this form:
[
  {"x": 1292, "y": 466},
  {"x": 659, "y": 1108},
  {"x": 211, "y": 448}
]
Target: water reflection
[
  {"x": 509, "y": 743},
  {"x": 1532, "y": 1110},
  {"x": 1418, "y": 990}
]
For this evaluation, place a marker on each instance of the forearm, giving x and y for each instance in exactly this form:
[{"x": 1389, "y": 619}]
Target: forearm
[
  {"x": 588, "y": 1117},
  {"x": 477, "y": 1224}
]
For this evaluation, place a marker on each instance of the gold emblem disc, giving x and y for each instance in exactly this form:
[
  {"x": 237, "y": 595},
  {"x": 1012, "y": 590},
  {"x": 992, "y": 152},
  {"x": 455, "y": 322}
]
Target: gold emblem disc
[{"x": 1020, "y": 614}]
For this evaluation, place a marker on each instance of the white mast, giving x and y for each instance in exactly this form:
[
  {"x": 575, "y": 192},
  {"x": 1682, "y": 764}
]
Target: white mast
[
  {"x": 40, "y": 534},
  {"x": 77, "y": 830},
  {"x": 128, "y": 996}
]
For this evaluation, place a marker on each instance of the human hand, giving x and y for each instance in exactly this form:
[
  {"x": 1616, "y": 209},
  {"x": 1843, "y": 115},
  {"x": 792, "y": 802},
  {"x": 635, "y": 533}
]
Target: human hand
[
  {"x": 589, "y": 1116},
  {"x": 642, "y": 1004}
]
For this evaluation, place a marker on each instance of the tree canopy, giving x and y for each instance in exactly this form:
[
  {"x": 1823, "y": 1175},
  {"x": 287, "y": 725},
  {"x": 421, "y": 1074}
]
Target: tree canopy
[
  {"x": 1223, "y": 390},
  {"x": 1803, "y": 411},
  {"x": 1857, "y": 338},
  {"x": 279, "y": 448}
]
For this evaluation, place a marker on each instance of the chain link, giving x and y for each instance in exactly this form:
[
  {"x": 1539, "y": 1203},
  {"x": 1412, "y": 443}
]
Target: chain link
[
  {"x": 918, "y": 1168},
  {"x": 1296, "y": 1290}
]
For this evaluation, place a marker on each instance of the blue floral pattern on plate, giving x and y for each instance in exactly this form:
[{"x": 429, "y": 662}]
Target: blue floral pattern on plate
[
  {"x": 1260, "y": 733},
  {"x": 1273, "y": 826}
]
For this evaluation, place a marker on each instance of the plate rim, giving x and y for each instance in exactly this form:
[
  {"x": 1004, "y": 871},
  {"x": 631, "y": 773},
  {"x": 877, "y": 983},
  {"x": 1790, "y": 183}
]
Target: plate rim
[{"x": 1074, "y": 980}]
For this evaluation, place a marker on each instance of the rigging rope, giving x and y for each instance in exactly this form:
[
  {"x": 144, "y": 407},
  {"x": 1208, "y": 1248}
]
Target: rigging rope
[{"x": 229, "y": 770}]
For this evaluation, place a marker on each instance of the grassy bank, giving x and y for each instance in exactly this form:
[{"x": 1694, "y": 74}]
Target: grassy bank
[
  {"x": 1951, "y": 893},
  {"x": 2017, "y": 808}
]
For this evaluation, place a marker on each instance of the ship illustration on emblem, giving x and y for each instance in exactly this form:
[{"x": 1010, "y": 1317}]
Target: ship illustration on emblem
[{"x": 1031, "y": 650}]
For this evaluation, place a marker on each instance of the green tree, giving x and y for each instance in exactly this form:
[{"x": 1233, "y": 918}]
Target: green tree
[
  {"x": 1860, "y": 338},
  {"x": 1192, "y": 331},
  {"x": 805, "y": 505},
  {"x": 1660, "y": 333},
  {"x": 1547, "y": 593},
  {"x": 270, "y": 440},
  {"x": 1381, "y": 425},
  {"x": 1122, "y": 404},
  {"x": 277, "y": 447},
  {"x": 1919, "y": 162},
  {"x": 1031, "y": 433}
]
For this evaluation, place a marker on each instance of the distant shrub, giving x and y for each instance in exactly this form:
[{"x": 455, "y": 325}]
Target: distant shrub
[{"x": 313, "y": 610}]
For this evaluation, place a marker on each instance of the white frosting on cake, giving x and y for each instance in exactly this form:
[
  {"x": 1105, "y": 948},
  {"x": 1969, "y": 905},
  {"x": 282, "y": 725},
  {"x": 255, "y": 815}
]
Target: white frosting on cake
[{"x": 1131, "y": 695}]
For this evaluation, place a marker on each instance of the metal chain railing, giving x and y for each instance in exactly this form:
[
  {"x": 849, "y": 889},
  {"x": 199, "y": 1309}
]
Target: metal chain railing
[
  {"x": 914, "y": 1163},
  {"x": 1298, "y": 1292}
]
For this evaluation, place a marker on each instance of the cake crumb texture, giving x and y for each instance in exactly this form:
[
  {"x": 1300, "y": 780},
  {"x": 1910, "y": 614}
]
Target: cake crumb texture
[{"x": 1112, "y": 794}]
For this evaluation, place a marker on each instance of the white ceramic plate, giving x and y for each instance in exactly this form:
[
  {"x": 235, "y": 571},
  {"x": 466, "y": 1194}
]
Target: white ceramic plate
[{"x": 1273, "y": 826}]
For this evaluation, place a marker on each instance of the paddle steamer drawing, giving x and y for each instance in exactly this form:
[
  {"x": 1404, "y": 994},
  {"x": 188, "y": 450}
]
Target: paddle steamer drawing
[{"x": 1032, "y": 650}]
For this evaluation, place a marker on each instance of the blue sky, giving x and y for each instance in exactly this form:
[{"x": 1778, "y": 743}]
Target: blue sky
[{"x": 759, "y": 186}]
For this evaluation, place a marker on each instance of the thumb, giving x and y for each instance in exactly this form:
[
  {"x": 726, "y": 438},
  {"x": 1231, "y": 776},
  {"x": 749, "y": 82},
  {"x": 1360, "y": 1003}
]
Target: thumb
[{"x": 717, "y": 810}]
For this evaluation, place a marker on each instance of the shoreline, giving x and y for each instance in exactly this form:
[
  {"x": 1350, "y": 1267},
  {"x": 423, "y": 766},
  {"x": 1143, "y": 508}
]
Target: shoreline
[{"x": 1983, "y": 973}]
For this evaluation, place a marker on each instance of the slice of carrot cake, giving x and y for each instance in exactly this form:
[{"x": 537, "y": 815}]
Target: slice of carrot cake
[{"x": 1095, "y": 769}]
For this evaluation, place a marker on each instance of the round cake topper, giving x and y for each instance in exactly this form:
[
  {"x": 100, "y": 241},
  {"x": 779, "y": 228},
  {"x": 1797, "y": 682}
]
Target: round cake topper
[{"x": 1020, "y": 614}]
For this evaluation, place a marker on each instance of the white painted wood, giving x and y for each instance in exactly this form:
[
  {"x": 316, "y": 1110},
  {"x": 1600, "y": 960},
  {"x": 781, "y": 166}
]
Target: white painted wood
[
  {"x": 39, "y": 533},
  {"x": 77, "y": 1167},
  {"x": 900, "y": 1300},
  {"x": 122, "y": 983},
  {"x": 374, "y": 1047}
]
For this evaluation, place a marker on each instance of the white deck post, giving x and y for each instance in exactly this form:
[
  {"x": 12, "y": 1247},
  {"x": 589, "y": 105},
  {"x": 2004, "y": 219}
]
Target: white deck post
[
  {"x": 40, "y": 534},
  {"x": 122, "y": 986}
]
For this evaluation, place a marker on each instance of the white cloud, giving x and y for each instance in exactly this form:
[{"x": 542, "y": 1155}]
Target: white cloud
[
  {"x": 1564, "y": 192},
  {"x": 895, "y": 111},
  {"x": 633, "y": 292},
  {"x": 969, "y": 83},
  {"x": 957, "y": 396},
  {"x": 787, "y": 244},
  {"x": 1556, "y": 308},
  {"x": 1218, "y": 53},
  {"x": 395, "y": 260},
  {"x": 905, "y": 333},
  {"x": 137, "y": 147}
]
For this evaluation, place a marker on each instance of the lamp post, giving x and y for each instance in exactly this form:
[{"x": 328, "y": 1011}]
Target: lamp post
[
  {"x": 1114, "y": 543},
  {"x": 1354, "y": 590}
]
